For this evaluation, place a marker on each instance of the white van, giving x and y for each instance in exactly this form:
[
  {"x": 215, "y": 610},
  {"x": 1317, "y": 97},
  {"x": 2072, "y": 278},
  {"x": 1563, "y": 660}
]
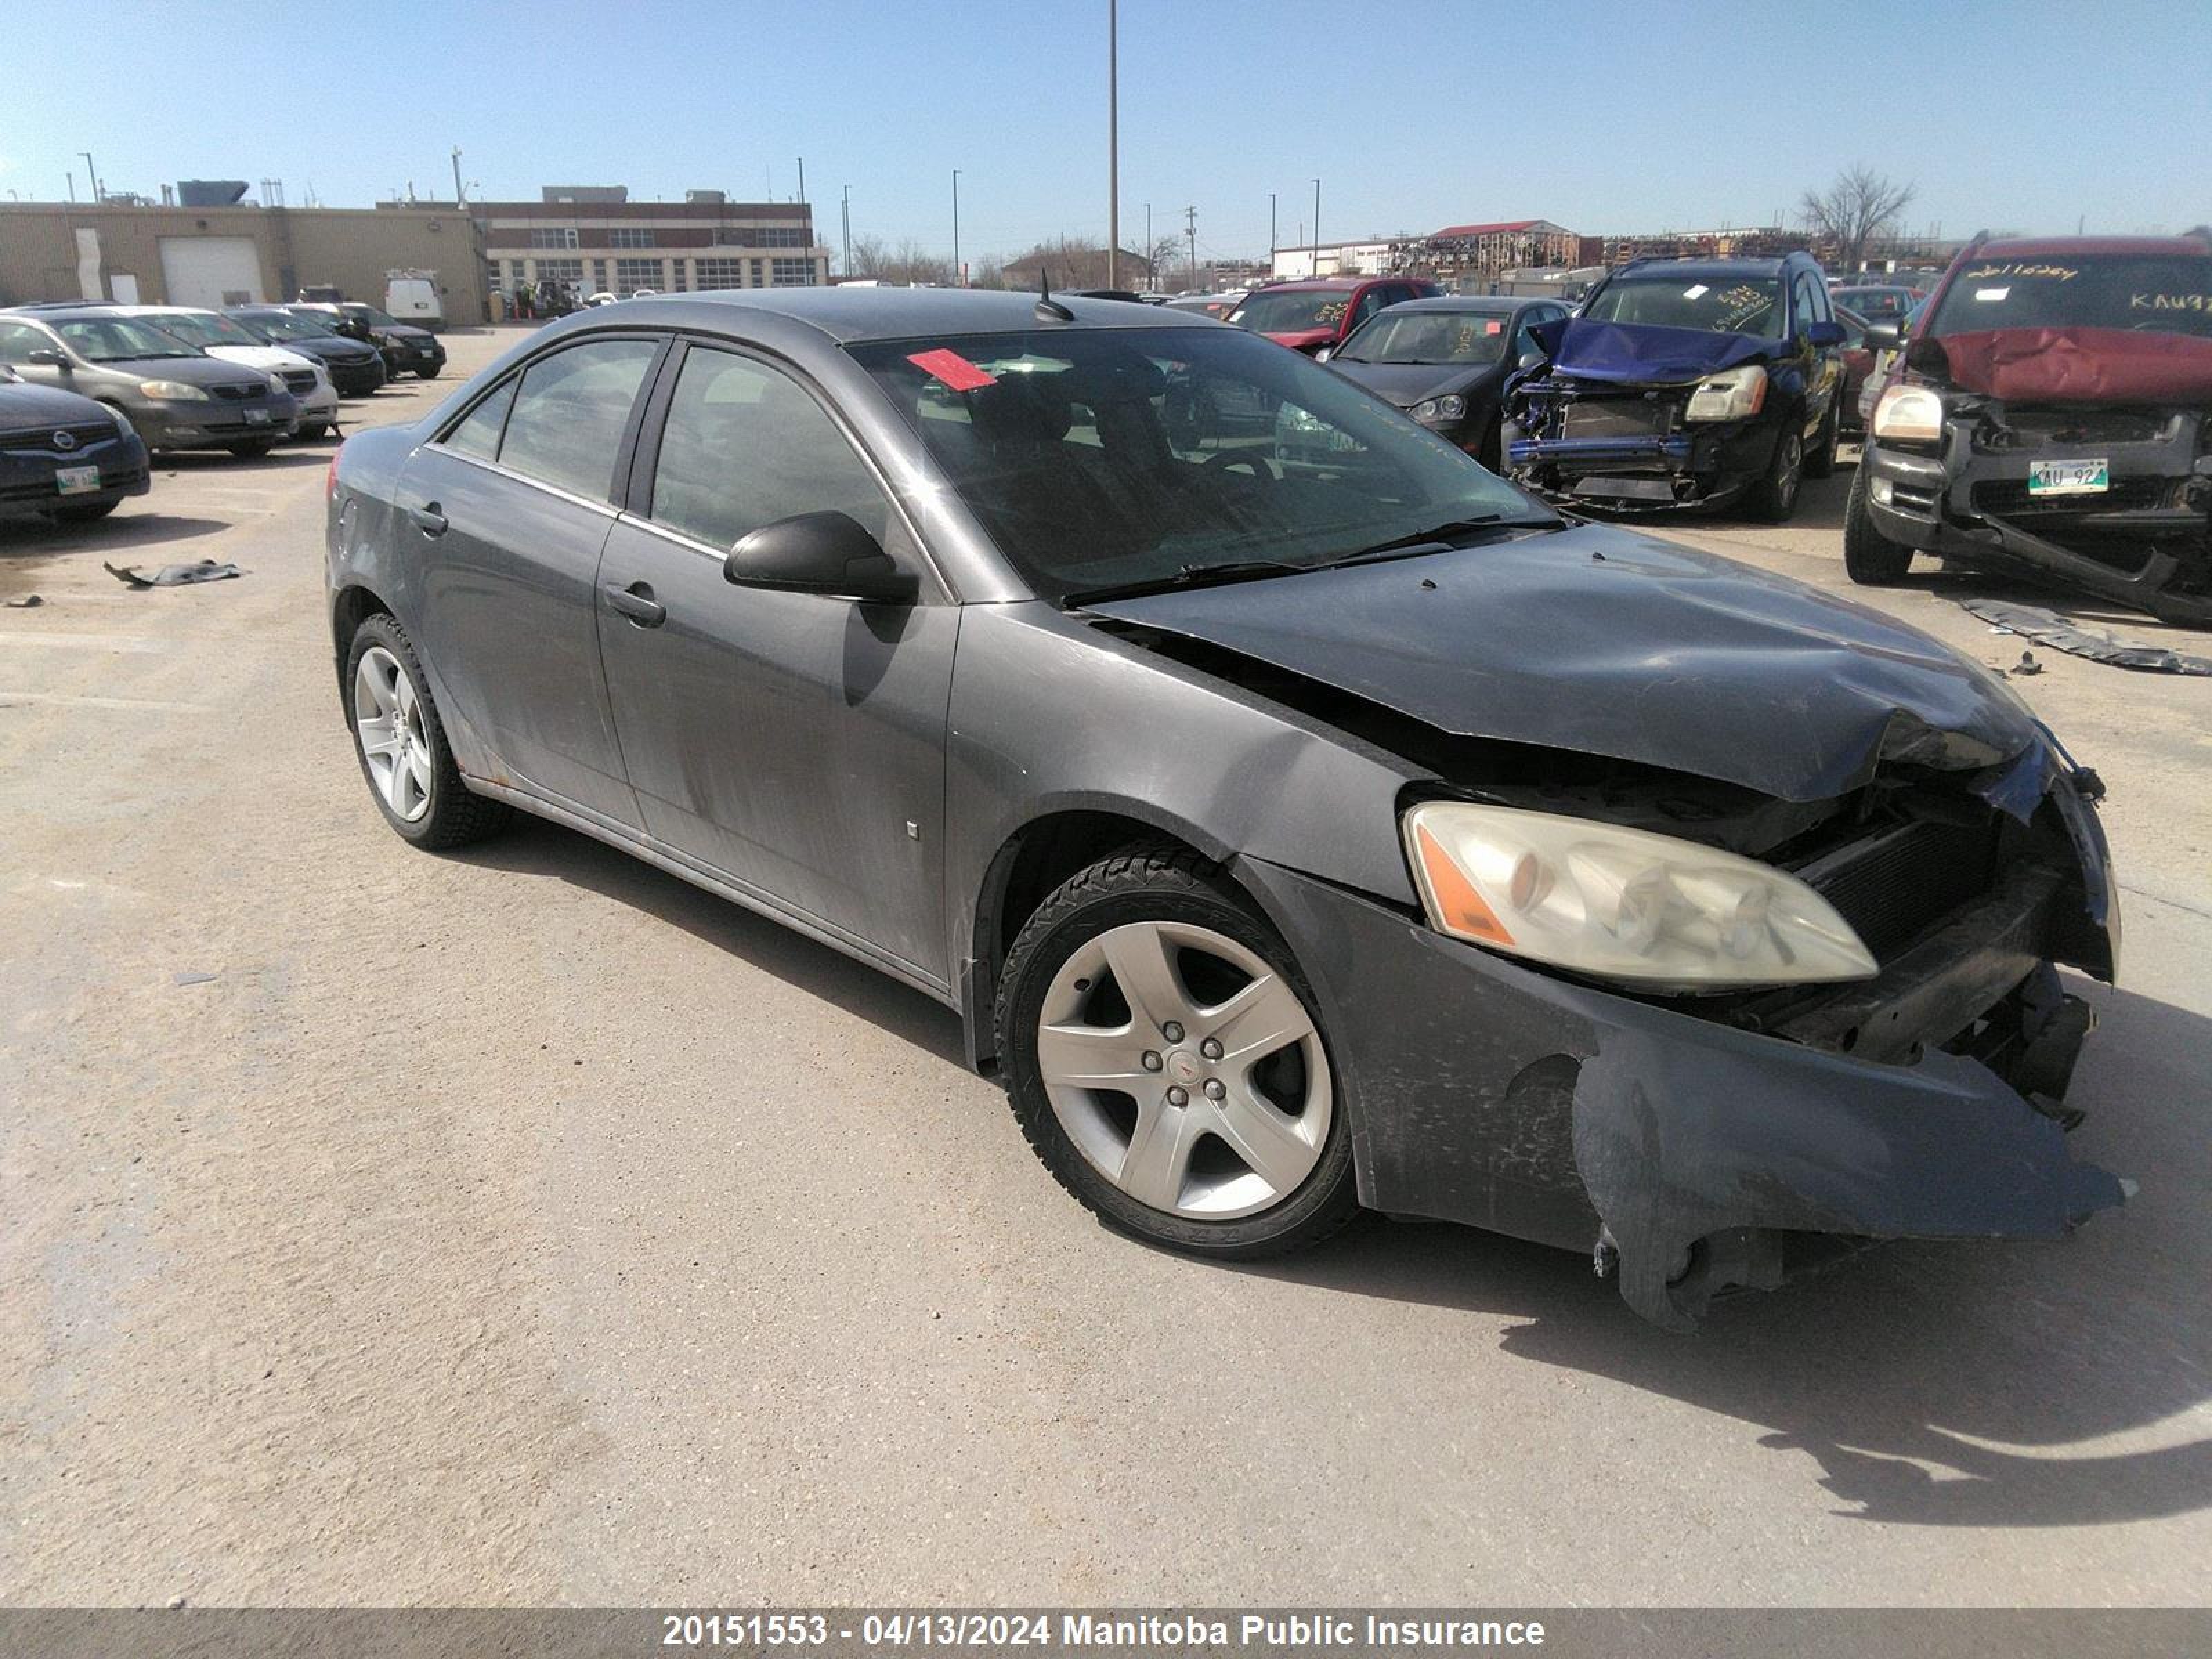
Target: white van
[{"x": 411, "y": 296}]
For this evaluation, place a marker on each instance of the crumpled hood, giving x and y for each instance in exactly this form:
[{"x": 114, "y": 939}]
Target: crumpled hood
[
  {"x": 2081, "y": 365},
  {"x": 1304, "y": 340},
  {"x": 1646, "y": 354},
  {"x": 25, "y": 405},
  {"x": 1602, "y": 641},
  {"x": 1408, "y": 384}
]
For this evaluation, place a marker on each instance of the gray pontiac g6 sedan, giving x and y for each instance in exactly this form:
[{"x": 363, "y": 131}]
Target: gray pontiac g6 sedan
[{"x": 1296, "y": 829}]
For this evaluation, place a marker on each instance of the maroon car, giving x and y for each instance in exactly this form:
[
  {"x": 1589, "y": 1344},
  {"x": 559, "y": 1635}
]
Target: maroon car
[{"x": 1308, "y": 316}]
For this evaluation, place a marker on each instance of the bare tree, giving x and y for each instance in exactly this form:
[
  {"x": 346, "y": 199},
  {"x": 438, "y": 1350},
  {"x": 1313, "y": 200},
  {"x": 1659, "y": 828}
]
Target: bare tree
[{"x": 1860, "y": 206}]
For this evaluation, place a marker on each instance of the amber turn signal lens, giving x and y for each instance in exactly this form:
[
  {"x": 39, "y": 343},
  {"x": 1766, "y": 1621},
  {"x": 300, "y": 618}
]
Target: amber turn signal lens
[{"x": 1458, "y": 905}]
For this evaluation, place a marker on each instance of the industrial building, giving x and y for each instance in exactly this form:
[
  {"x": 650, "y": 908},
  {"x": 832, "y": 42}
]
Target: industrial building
[
  {"x": 1457, "y": 253},
  {"x": 593, "y": 238},
  {"x": 233, "y": 254}
]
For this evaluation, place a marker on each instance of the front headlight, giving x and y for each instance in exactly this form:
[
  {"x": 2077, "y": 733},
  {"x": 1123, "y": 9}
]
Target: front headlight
[
  {"x": 1734, "y": 394},
  {"x": 1436, "y": 411},
  {"x": 1909, "y": 414},
  {"x": 172, "y": 391},
  {"x": 1621, "y": 903}
]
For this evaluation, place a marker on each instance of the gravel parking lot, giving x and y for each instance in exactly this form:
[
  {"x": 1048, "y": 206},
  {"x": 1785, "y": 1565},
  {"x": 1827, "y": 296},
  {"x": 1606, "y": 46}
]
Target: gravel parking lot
[{"x": 526, "y": 1226}]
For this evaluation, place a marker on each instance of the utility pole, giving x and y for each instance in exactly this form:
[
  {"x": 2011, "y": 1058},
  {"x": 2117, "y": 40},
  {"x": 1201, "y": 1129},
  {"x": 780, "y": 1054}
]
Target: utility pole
[
  {"x": 460, "y": 199},
  {"x": 958, "y": 280},
  {"x": 802, "y": 180},
  {"x": 848, "y": 230},
  {"x": 1190, "y": 225},
  {"x": 92, "y": 173},
  {"x": 1270, "y": 233},
  {"x": 1113, "y": 145},
  {"x": 1317, "y": 241},
  {"x": 1151, "y": 277}
]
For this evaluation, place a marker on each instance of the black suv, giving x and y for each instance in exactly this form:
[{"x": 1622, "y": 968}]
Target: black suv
[
  {"x": 406, "y": 349},
  {"x": 2052, "y": 418},
  {"x": 1685, "y": 383}
]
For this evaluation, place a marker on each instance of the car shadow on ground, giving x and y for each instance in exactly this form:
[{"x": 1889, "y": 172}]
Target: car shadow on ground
[
  {"x": 1930, "y": 1384},
  {"x": 277, "y": 461},
  {"x": 535, "y": 846},
  {"x": 31, "y": 538},
  {"x": 1951, "y": 1384}
]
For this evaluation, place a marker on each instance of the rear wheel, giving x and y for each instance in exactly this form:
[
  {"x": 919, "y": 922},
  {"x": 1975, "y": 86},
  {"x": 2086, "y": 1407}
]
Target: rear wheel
[
  {"x": 1870, "y": 557},
  {"x": 401, "y": 744},
  {"x": 1774, "y": 497},
  {"x": 1165, "y": 1063}
]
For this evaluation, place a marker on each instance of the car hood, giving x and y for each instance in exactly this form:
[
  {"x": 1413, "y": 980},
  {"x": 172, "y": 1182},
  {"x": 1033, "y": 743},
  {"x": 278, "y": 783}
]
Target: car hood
[
  {"x": 43, "y": 406},
  {"x": 192, "y": 371},
  {"x": 410, "y": 333},
  {"x": 1408, "y": 384},
  {"x": 333, "y": 349},
  {"x": 268, "y": 359},
  {"x": 1302, "y": 339},
  {"x": 1647, "y": 354},
  {"x": 2081, "y": 365},
  {"x": 1607, "y": 643}
]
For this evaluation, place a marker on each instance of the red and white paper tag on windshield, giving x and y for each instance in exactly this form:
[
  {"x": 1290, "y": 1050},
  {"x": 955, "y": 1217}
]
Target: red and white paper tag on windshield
[{"x": 952, "y": 369}]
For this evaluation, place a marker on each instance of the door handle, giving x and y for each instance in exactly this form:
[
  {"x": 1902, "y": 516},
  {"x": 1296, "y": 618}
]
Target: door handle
[
  {"x": 636, "y": 602},
  {"x": 429, "y": 518}
]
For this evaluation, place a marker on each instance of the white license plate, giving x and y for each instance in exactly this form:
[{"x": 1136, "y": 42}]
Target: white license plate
[
  {"x": 2068, "y": 478},
  {"x": 76, "y": 480},
  {"x": 257, "y": 417}
]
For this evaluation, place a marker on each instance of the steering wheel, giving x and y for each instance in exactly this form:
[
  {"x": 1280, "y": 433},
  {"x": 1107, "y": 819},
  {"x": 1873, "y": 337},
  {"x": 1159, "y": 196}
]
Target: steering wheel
[{"x": 1262, "y": 466}]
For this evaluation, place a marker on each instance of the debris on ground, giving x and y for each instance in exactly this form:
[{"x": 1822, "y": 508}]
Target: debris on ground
[
  {"x": 2048, "y": 628},
  {"x": 2027, "y": 665},
  {"x": 173, "y": 575},
  {"x": 29, "y": 601}
]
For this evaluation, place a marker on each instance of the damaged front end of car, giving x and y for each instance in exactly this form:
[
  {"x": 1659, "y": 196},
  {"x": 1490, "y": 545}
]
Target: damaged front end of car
[
  {"x": 1639, "y": 417},
  {"x": 1692, "y": 1138},
  {"x": 2074, "y": 474}
]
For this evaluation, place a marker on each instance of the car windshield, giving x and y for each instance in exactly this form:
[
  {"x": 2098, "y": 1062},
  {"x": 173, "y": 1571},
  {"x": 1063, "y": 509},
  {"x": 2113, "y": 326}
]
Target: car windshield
[
  {"x": 1723, "y": 302},
  {"x": 121, "y": 340},
  {"x": 2164, "y": 293},
  {"x": 1102, "y": 458},
  {"x": 372, "y": 316},
  {"x": 283, "y": 325},
  {"x": 1429, "y": 337},
  {"x": 1292, "y": 311},
  {"x": 203, "y": 328}
]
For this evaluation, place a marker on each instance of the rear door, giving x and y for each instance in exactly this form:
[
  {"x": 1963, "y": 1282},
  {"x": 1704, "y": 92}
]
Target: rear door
[
  {"x": 512, "y": 504},
  {"x": 793, "y": 743}
]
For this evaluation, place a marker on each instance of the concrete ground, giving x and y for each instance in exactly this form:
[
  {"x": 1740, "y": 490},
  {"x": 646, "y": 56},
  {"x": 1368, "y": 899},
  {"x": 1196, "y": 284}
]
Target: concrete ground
[{"x": 526, "y": 1225}]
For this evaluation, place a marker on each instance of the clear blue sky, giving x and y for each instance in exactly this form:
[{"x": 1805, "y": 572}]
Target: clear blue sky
[{"x": 1614, "y": 117}]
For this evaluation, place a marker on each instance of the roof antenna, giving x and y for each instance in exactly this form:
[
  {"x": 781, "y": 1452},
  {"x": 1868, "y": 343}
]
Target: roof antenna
[{"x": 1049, "y": 310}]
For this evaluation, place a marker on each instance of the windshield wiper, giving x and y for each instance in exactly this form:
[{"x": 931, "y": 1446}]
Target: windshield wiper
[
  {"x": 1191, "y": 576},
  {"x": 1440, "y": 536}
]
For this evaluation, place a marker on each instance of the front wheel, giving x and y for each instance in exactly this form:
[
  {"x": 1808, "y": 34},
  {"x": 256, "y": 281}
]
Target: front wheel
[
  {"x": 253, "y": 449},
  {"x": 1164, "y": 1061},
  {"x": 1821, "y": 463},
  {"x": 1871, "y": 559},
  {"x": 401, "y": 744},
  {"x": 1774, "y": 497}
]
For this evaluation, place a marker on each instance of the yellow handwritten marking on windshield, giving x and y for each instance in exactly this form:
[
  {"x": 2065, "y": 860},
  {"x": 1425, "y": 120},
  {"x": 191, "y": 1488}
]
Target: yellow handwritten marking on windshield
[
  {"x": 2055, "y": 273},
  {"x": 1331, "y": 313},
  {"x": 2170, "y": 302}
]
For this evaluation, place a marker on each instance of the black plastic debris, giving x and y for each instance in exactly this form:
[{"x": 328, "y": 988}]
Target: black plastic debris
[
  {"x": 174, "y": 575},
  {"x": 2049, "y": 628},
  {"x": 28, "y": 602}
]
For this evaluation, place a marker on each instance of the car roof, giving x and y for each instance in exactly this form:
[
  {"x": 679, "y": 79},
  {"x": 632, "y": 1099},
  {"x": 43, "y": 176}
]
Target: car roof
[
  {"x": 1874, "y": 288},
  {"x": 1308, "y": 285},
  {"x": 852, "y": 316},
  {"x": 1489, "y": 304},
  {"x": 2035, "y": 247},
  {"x": 1711, "y": 267},
  {"x": 54, "y": 313}
]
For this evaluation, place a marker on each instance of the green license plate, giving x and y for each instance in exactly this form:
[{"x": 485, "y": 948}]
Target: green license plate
[{"x": 2068, "y": 477}]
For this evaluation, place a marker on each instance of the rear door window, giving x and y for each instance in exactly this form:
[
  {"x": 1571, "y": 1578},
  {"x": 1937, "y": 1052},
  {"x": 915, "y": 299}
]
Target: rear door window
[
  {"x": 566, "y": 426},
  {"x": 478, "y": 433}
]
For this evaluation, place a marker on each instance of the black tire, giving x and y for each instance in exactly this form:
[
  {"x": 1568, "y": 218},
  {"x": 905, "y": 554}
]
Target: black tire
[
  {"x": 1821, "y": 463},
  {"x": 1490, "y": 452},
  {"x": 454, "y": 817},
  {"x": 1774, "y": 497},
  {"x": 311, "y": 434},
  {"x": 253, "y": 449},
  {"x": 426, "y": 373},
  {"x": 86, "y": 511},
  {"x": 1870, "y": 557},
  {"x": 1157, "y": 882}
]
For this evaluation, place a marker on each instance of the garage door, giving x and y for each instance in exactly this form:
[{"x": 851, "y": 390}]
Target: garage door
[{"x": 210, "y": 271}]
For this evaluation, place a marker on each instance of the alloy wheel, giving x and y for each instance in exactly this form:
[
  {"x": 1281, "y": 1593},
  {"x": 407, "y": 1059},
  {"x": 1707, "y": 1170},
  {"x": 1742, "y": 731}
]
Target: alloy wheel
[
  {"x": 1186, "y": 1068},
  {"x": 388, "y": 716}
]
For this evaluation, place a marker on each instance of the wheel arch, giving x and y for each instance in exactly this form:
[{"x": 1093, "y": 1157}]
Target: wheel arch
[{"x": 350, "y": 606}]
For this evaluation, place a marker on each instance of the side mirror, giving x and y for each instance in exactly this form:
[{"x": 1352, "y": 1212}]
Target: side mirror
[
  {"x": 47, "y": 357},
  {"x": 825, "y": 553},
  {"x": 1532, "y": 358},
  {"x": 1824, "y": 333},
  {"x": 1324, "y": 354},
  {"x": 1884, "y": 336}
]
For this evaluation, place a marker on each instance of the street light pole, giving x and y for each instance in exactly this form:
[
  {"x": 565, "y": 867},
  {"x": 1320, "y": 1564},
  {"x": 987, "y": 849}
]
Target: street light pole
[
  {"x": 1270, "y": 233},
  {"x": 459, "y": 200},
  {"x": 959, "y": 278},
  {"x": 1317, "y": 228},
  {"x": 1152, "y": 275},
  {"x": 847, "y": 212},
  {"x": 1113, "y": 146},
  {"x": 92, "y": 173}
]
